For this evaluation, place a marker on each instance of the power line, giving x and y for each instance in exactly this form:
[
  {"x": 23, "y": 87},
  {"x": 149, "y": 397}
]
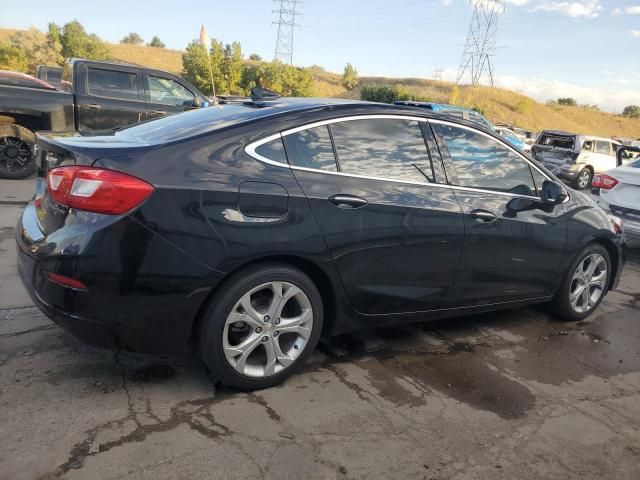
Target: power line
[
  {"x": 286, "y": 22},
  {"x": 480, "y": 47}
]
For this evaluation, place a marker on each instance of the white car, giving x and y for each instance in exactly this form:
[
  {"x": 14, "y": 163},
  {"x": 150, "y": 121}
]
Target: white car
[
  {"x": 618, "y": 191},
  {"x": 575, "y": 158}
]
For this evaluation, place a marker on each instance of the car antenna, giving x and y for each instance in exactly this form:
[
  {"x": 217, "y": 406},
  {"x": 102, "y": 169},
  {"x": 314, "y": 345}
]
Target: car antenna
[{"x": 259, "y": 96}]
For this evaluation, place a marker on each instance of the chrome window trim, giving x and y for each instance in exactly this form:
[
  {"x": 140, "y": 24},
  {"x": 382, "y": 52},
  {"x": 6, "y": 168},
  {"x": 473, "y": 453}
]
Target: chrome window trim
[{"x": 250, "y": 150}]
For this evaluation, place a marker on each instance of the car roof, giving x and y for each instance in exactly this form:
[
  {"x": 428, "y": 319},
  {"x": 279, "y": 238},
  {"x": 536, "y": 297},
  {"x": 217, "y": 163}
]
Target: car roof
[{"x": 586, "y": 137}]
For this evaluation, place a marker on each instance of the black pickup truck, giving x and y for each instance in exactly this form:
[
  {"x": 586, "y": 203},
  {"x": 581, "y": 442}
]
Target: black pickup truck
[{"x": 93, "y": 96}]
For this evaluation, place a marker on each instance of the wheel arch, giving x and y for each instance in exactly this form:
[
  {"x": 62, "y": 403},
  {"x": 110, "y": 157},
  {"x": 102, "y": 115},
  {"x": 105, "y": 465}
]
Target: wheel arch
[
  {"x": 317, "y": 275},
  {"x": 611, "y": 249}
]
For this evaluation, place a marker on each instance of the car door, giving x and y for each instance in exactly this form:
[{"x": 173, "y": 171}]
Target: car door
[
  {"x": 394, "y": 234},
  {"x": 110, "y": 98},
  {"x": 166, "y": 96},
  {"x": 513, "y": 243}
]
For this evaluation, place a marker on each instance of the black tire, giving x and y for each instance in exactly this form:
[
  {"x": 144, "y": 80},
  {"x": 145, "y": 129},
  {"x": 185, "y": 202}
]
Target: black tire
[
  {"x": 583, "y": 179},
  {"x": 210, "y": 335},
  {"x": 16, "y": 151},
  {"x": 561, "y": 304}
]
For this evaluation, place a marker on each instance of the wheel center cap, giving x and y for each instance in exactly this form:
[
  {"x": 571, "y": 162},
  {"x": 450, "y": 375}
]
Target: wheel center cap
[
  {"x": 268, "y": 327},
  {"x": 11, "y": 152}
]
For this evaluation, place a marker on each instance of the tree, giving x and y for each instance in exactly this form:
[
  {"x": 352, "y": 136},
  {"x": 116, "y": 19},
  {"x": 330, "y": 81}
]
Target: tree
[
  {"x": 156, "y": 42},
  {"x": 27, "y": 49},
  {"x": 568, "y": 101},
  {"x": 76, "y": 42},
  {"x": 350, "y": 77},
  {"x": 132, "y": 39},
  {"x": 231, "y": 67},
  {"x": 13, "y": 58},
  {"x": 278, "y": 77},
  {"x": 255, "y": 57},
  {"x": 631, "y": 111}
]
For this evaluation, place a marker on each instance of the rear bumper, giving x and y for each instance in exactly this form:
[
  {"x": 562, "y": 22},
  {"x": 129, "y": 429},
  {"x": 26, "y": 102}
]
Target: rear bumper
[
  {"x": 630, "y": 223},
  {"x": 131, "y": 303}
]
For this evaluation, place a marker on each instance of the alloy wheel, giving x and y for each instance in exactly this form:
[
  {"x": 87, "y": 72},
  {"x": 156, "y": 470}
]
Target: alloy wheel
[
  {"x": 15, "y": 154},
  {"x": 584, "y": 179},
  {"x": 588, "y": 283},
  {"x": 267, "y": 329}
]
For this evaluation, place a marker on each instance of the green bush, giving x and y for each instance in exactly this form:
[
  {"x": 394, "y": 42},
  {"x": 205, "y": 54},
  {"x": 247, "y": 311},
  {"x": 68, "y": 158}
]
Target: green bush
[
  {"x": 385, "y": 93},
  {"x": 276, "y": 76}
]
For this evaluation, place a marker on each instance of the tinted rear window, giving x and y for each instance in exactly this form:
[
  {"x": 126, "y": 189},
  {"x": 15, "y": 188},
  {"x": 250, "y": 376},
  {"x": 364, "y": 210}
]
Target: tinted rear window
[
  {"x": 311, "y": 148},
  {"x": 113, "y": 84}
]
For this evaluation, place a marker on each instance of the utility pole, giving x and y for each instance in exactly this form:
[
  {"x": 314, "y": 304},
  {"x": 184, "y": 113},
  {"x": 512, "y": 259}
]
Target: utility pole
[
  {"x": 480, "y": 47},
  {"x": 287, "y": 13}
]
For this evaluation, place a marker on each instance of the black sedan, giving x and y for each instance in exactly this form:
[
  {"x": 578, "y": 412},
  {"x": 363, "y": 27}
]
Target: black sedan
[{"x": 250, "y": 229}]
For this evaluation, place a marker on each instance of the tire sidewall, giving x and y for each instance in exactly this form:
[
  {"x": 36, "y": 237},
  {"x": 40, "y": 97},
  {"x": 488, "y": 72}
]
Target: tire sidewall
[
  {"x": 212, "y": 328},
  {"x": 562, "y": 300},
  {"x": 577, "y": 183},
  {"x": 27, "y": 136}
]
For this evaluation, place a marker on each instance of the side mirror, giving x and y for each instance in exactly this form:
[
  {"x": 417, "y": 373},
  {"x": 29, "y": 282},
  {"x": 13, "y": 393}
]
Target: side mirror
[{"x": 552, "y": 193}]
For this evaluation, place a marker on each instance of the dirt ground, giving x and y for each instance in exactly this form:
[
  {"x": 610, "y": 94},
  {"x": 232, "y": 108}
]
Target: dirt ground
[{"x": 508, "y": 395}]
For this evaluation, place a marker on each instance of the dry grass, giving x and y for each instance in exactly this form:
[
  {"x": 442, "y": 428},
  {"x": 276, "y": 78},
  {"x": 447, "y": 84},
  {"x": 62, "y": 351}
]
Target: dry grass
[
  {"x": 499, "y": 105},
  {"x": 160, "y": 58}
]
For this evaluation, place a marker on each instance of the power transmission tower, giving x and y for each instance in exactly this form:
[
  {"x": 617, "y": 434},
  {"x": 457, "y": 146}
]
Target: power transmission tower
[
  {"x": 437, "y": 74},
  {"x": 286, "y": 22},
  {"x": 480, "y": 47}
]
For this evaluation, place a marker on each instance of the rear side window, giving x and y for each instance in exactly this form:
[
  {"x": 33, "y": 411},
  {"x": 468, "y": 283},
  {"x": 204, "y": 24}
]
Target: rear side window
[
  {"x": 389, "y": 148},
  {"x": 603, "y": 147},
  {"x": 311, "y": 148},
  {"x": 273, "y": 150},
  {"x": 112, "y": 84},
  {"x": 481, "y": 162}
]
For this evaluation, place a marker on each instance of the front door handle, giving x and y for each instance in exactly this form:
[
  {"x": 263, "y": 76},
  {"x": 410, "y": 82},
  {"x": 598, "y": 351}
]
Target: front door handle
[
  {"x": 483, "y": 216},
  {"x": 348, "y": 201},
  {"x": 94, "y": 106}
]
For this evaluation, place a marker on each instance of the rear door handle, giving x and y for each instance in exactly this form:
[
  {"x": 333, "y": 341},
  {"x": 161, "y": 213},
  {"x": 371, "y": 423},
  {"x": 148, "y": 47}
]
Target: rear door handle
[
  {"x": 94, "y": 106},
  {"x": 159, "y": 112},
  {"x": 347, "y": 201},
  {"x": 483, "y": 216}
]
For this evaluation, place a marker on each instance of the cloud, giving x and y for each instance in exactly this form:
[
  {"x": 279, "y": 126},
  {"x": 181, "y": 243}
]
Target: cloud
[
  {"x": 611, "y": 99},
  {"x": 616, "y": 11},
  {"x": 634, "y": 33},
  {"x": 492, "y": 5},
  {"x": 589, "y": 8},
  {"x": 517, "y": 3},
  {"x": 633, "y": 10}
]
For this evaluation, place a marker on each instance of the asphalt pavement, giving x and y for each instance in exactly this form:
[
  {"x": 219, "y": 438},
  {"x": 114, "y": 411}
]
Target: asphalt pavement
[{"x": 507, "y": 395}]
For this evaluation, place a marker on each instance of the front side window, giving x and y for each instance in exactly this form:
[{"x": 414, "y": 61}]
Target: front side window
[
  {"x": 311, "y": 148},
  {"x": 112, "y": 84},
  {"x": 481, "y": 162},
  {"x": 169, "y": 92},
  {"x": 389, "y": 148},
  {"x": 603, "y": 147}
]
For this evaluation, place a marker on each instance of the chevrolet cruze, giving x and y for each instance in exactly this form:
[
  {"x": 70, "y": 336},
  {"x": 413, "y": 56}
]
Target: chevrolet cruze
[{"x": 249, "y": 229}]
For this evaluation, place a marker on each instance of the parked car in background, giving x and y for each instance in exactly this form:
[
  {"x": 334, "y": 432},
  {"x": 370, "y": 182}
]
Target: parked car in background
[
  {"x": 101, "y": 96},
  {"x": 17, "y": 79},
  {"x": 251, "y": 229},
  {"x": 465, "y": 114},
  {"x": 618, "y": 191},
  {"x": 528, "y": 137},
  {"x": 575, "y": 158},
  {"x": 51, "y": 75}
]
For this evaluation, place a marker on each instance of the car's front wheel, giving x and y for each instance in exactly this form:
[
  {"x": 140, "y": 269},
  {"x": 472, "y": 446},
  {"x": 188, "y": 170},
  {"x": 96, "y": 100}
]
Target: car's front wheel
[
  {"x": 261, "y": 325},
  {"x": 585, "y": 284}
]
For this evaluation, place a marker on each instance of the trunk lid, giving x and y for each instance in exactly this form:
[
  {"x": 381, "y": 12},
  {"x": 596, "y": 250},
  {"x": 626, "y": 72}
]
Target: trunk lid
[{"x": 57, "y": 150}]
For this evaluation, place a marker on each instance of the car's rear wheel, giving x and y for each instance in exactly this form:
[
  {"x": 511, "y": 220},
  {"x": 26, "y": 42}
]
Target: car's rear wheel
[
  {"x": 583, "y": 180},
  {"x": 16, "y": 151},
  {"x": 585, "y": 284},
  {"x": 262, "y": 324}
]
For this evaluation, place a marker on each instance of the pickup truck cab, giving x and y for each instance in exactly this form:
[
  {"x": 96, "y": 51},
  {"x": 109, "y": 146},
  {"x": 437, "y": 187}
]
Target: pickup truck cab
[{"x": 95, "y": 96}]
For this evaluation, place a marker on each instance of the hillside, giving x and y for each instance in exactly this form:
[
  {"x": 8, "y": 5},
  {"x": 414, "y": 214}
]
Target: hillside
[{"x": 499, "y": 105}]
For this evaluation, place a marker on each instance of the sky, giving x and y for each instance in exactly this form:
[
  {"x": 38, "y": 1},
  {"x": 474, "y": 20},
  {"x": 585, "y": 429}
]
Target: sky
[{"x": 586, "y": 49}]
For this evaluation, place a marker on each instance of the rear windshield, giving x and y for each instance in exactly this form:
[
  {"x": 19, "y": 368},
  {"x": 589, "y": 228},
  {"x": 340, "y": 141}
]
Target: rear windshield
[
  {"x": 557, "y": 141},
  {"x": 193, "y": 122}
]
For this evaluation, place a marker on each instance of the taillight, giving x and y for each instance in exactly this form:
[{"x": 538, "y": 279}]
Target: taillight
[
  {"x": 604, "y": 182},
  {"x": 96, "y": 189}
]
